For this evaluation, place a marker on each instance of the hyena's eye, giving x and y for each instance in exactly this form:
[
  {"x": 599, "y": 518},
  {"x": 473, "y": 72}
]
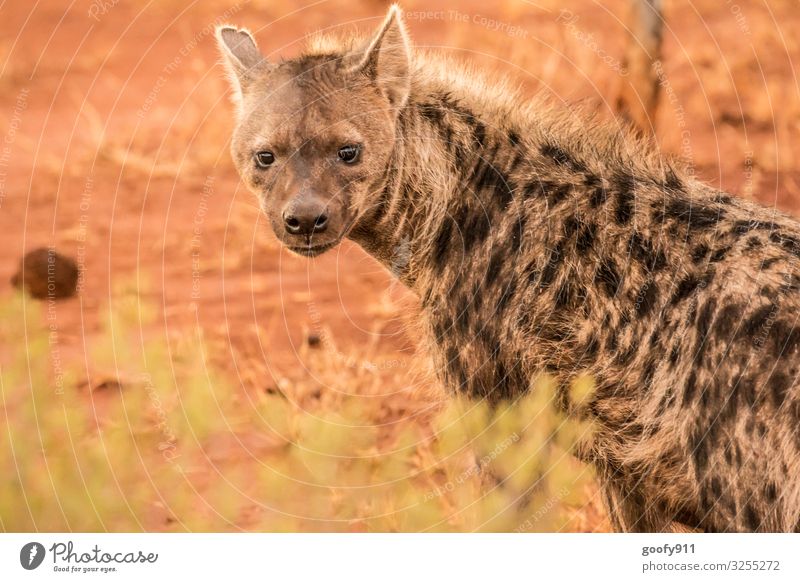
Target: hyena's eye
[
  {"x": 349, "y": 153},
  {"x": 264, "y": 159}
]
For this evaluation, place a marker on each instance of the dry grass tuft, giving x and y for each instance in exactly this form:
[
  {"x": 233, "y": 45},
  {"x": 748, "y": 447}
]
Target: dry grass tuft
[{"x": 156, "y": 439}]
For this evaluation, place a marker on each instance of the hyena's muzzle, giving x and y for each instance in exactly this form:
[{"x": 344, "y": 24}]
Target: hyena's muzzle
[{"x": 311, "y": 224}]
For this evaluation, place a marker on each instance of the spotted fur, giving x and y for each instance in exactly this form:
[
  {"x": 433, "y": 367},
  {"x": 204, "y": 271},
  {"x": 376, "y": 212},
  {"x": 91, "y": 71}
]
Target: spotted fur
[{"x": 540, "y": 241}]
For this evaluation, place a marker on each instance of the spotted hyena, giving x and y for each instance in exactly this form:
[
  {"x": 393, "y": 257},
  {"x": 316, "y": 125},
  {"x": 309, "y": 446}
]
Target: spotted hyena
[{"x": 538, "y": 241}]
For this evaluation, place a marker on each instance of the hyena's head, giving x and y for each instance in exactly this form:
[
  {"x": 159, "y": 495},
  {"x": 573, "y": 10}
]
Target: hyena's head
[{"x": 315, "y": 134}]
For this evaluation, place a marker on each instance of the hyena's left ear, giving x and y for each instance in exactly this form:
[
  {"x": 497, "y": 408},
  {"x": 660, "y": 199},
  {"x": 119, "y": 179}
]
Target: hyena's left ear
[
  {"x": 241, "y": 55},
  {"x": 386, "y": 60}
]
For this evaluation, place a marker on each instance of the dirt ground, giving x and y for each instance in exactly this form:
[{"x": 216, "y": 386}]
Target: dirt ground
[{"x": 116, "y": 123}]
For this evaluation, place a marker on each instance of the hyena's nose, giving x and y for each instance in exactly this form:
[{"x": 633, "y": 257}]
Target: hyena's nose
[{"x": 306, "y": 219}]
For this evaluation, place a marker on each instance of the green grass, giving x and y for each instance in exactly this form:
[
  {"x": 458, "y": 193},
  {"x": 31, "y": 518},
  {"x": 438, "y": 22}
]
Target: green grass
[{"x": 176, "y": 447}]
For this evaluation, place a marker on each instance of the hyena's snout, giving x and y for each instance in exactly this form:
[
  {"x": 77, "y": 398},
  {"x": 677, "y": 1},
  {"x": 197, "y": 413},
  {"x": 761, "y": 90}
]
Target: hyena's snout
[
  {"x": 305, "y": 217},
  {"x": 310, "y": 224}
]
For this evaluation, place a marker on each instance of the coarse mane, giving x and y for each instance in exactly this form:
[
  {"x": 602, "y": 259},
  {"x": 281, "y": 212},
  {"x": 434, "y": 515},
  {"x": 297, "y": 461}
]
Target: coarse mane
[{"x": 607, "y": 145}]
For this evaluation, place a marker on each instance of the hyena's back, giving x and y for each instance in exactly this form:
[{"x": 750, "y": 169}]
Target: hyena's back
[
  {"x": 681, "y": 301},
  {"x": 703, "y": 414}
]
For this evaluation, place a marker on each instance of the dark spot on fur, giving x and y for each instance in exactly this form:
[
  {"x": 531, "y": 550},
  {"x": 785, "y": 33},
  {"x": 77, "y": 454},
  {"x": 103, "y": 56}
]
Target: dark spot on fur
[
  {"x": 674, "y": 354},
  {"x": 767, "y": 263},
  {"x": 793, "y": 285},
  {"x": 565, "y": 295},
  {"x": 462, "y": 319},
  {"x": 624, "y": 319},
  {"x": 440, "y": 329},
  {"x": 716, "y": 487},
  {"x": 487, "y": 177},
  {"x": 788, "y": 243},
  {"x": 751, "y": 517},
  {"x": 667, "y": 401},
  {"x": 516, "y": 161},
  {"x": 705, "y": 316},
  {"x": 559, "y": 193},
  {"x": 700, "y": 350},
  {"x": 474, "y": 226},
  {"x": 646, "y": 299},
  {"x": 553, "y": 264},
  {"x": 719, "y": 254},
  {"x": 432, "y": 113},
  {"x": 532, "y": 272},
  {"x": 729, "y": 455},
  {"x": 562, "y": 158},
  {"x": 495, "y": 266},
  {"x": 757, "y": 321},
  {"x": 745, "y": 389},
  {"x": 505, "y": 295},
  {"x": 699, "y": 252},
  {"x": 478, "y": 131},
  {"x": 685, "y": 288},
  {"x": 571, "y": 225},
  {"x": 624, "y": 209},
  {"x": 611, "y": 342},
  {"x": 700, "y": 451},
  {"x": 592, "y": 181},
  {"x": 468, "y": 117},
  {"x": 744, "y": 226},
  {"x": 779, "y": 385},
  {"x": 728, "y": 319},
  {"x": 442, "y": 243},
  {"x": 591, "y": 348},
  {"x": 608, "y": 277},
  {"x": 694, "y": 216},
  {"x": 690, "y": 390},
  {"x": 455, "y": 368},
  {"x": 786, "y": 338},
  {"x": 626, "y": 356},
  {"x": 585, "y": 238},
  {"x": 537, "y": 188},
  {"x": 754, "y": 243},
  {"x": 597, "y": 197},
  {"x": 643, "y": 251}
]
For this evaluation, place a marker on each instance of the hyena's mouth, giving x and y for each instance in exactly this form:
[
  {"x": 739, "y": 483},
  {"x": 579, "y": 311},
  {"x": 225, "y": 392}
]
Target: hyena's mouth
[{"x": 312, "y": 250}]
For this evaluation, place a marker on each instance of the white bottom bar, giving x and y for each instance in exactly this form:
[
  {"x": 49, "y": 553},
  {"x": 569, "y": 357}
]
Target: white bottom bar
[{"x": 402, "y": 557}]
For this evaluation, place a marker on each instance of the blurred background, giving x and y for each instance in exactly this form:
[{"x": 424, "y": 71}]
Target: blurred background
[{"x": 202, "y": 378}]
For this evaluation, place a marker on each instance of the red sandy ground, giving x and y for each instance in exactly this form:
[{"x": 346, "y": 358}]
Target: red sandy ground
[{"x": 116, "y": 151}]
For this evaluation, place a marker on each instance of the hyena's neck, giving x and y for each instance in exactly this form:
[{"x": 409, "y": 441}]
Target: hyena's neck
[
  {"x": 522, "y": 236},
  {"x": 450, "y": 184}
]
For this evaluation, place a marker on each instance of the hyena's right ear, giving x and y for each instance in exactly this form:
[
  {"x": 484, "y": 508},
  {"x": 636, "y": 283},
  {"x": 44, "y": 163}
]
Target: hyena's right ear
[
  {"x": 241, "y": 55},
  {"x": 386, "y": 59}
]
